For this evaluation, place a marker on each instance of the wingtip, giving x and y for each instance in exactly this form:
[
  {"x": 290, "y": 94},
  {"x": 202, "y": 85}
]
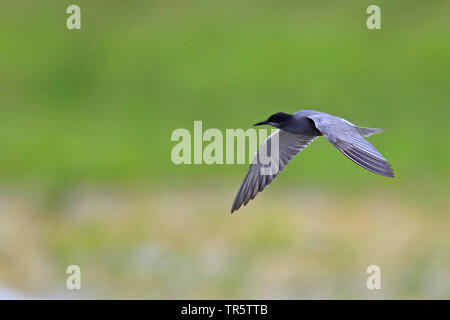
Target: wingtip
[
  {"x": 235, "y": 208},
  {"x": 389, "y": 174},
  {"x": 391, "y": 171}
]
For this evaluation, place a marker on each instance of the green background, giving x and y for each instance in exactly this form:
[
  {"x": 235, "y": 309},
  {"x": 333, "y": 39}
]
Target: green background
[{"x": 86, "y": 177}]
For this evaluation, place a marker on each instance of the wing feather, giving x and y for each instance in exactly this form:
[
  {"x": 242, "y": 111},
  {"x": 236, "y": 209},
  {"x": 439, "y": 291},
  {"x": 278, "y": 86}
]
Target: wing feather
[
  {"x": 344, "y": 136},
  {"x": 257, "y": 179}
]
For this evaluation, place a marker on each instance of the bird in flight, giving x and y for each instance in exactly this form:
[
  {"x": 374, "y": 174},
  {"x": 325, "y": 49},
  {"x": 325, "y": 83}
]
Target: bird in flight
[{"x": 295, "y": 132}]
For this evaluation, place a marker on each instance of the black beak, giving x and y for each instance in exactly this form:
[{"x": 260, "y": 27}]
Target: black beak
[{"x": 260, "y": 123}]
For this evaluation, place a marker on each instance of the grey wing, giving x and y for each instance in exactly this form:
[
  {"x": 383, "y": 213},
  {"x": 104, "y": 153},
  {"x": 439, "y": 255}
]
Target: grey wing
[
  {"x": 268, "y": 163},
  {"x": 364, "y": 131},
  {"x": 344, "y": 136}
]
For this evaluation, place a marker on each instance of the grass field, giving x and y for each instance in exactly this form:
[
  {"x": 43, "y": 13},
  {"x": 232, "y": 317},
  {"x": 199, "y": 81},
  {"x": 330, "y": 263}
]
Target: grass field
[
  {"x": 144, "y": 243},
  {"x": 86, "y": 177}
]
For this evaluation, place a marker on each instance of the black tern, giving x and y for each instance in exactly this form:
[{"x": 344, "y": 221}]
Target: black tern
[{"x": 298, "y": 130}]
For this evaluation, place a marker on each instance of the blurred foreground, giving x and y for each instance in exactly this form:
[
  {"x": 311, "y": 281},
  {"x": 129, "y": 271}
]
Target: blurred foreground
[{"x": 145, "y": 243}]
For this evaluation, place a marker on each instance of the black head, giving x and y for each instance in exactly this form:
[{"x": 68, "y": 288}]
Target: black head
[{"x": 276, "y": 120}]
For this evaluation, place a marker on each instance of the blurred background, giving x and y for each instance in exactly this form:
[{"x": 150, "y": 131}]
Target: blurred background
[{"x": 86, "y": 177}]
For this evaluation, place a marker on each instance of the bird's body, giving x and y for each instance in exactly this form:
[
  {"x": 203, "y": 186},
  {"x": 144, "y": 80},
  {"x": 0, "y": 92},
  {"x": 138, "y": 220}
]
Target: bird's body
[
  {"x": 295, "y": 132},
  {"x": 299, "y": 123}
]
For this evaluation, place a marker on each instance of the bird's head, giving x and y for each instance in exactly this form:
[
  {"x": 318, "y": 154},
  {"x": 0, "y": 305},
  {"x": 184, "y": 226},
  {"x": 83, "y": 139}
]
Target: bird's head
[{"x": 277, "y": 120}]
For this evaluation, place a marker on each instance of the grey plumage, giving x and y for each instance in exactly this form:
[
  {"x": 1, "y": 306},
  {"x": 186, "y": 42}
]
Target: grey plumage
[{"x": 295, "y": 133}]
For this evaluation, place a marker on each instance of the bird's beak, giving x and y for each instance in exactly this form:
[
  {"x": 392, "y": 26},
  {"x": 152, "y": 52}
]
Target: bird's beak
[{"x": 260, "y": 123}]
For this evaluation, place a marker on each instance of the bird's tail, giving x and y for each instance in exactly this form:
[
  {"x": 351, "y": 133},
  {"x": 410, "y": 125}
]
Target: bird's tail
[{"x": 365, "y": 132}]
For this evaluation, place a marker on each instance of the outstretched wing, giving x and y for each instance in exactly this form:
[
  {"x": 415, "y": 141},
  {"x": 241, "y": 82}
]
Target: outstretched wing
[
  {"x": 268, "y": 163},
  {"x": 349, "y": 141}
]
